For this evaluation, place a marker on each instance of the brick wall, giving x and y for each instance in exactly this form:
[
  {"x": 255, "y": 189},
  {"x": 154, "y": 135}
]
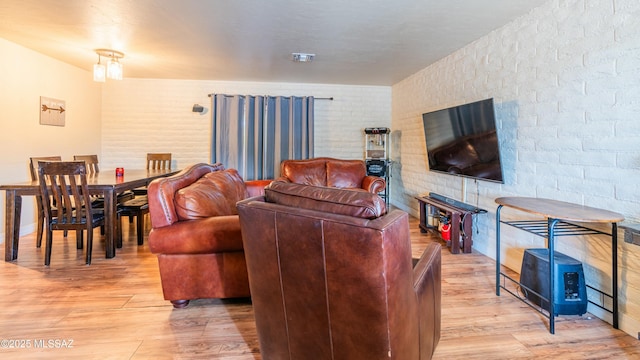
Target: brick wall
[
  {"x": 148, "y": 115},
  {"x": 565, "y": 79}
]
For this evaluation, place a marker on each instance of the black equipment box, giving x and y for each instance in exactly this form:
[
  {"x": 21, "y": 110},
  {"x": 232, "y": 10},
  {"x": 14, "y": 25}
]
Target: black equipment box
[
  {"x": 376, "y": 167},
  {"x": 569, "y": 293}
]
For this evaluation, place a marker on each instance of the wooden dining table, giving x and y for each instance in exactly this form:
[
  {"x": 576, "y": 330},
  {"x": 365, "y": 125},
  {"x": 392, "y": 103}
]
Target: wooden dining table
[{"x": 104, "y": 183}]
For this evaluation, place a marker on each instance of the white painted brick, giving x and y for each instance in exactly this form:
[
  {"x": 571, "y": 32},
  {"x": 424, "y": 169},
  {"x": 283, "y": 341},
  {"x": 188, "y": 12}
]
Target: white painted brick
[
  {"x": 557, "y": 144},
  {"x": 546, "y": 130},
  {"x": 559, "y": 170},
  {"x": 533, "y": 157},
  {"x": 555, "y": 194},
  {"x": 569, "y": 125},
  {"x": 604, "y": 172},
  {"x": 613, "y": 144},
  {"x": 531, "y": 180},
  {"x": 629, "y": 192},
  {"x": 586, "y": 187},
  {"x": 628, "y": 160},
  {"x": 586, "y": 159},
  {"x": 629, "y": 99}
]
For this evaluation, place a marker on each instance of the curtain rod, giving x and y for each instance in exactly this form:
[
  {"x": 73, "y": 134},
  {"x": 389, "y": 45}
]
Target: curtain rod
[{"x": 315, "y": 98}]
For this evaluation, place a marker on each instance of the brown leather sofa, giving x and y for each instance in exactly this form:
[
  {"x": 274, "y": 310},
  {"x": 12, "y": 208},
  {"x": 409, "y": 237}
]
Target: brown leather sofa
[
  {"x": 196, "y": 232},
  {"x": 324, "y": 171},
  {"x": 331, "y": 276}
]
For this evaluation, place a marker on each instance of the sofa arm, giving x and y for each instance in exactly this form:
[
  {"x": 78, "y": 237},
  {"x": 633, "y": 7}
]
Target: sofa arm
[
  {"x": 202, "y": 236},
  {"x": 426, "y": 284},
  {"x": 256, "y": 187},
  {"x": 161, "y": 192},
  {"x": 373, "y": 184}
]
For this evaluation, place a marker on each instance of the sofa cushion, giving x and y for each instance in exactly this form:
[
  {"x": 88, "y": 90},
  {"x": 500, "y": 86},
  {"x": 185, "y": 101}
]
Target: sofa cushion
[
  {"x": 306, "y": 172},
  {"x": 359, "y": 204},
  {"x": 214, "y": 194},
  {"x": 345, "y": 173}
]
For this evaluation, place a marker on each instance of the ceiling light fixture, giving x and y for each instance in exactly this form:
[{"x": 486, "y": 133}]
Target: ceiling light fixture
[
  {"x": 113, "y": 69},
  {"x": 302, "y": 57}
]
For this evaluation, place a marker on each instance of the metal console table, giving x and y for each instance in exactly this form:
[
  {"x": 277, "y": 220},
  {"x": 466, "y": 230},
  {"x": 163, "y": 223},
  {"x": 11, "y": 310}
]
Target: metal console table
[{"x": 560, "y": 221}]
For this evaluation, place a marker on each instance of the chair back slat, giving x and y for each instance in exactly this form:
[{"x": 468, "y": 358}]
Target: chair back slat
[
  {"x": 61, "y": 197},
  {"x": 159, "y": 161}
]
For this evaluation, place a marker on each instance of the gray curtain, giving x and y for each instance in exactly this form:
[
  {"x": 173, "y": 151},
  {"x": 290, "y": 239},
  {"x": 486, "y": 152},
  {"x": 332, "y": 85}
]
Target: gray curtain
[{"x": 253, "y": 134}]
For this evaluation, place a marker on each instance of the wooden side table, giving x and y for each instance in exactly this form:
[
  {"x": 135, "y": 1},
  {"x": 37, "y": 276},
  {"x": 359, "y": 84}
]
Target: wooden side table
[{"x": 560, "y": 219}]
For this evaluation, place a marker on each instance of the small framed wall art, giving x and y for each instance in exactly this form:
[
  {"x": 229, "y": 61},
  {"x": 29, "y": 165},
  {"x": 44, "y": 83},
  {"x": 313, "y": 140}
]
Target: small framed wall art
[{"x": 52, "y": 111}]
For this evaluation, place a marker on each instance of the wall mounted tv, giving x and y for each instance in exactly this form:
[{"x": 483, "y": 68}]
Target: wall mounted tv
[{"x": 462, "y": 140}]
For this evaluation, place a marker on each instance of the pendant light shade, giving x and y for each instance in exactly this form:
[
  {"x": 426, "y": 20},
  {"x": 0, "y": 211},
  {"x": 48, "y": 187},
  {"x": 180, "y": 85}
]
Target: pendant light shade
[
  {"x": 113, "y": 69},
  {"x": 99, "y": 72}
]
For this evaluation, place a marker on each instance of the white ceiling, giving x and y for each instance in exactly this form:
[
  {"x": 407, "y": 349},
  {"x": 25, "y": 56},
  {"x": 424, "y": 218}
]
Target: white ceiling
[{"x": 359, "y": 42}]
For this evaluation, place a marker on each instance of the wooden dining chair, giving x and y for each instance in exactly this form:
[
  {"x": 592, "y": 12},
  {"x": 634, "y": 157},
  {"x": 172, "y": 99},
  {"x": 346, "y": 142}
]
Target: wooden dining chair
[
  {"x": 159, "y": 161},
  {"x": 91, "y": 161},
  {"x": 138, "y": 207},
  {"x": 155, "y": 161},
  {"x": 33, "y": 171},
  {"x": 64, "y": 183}
]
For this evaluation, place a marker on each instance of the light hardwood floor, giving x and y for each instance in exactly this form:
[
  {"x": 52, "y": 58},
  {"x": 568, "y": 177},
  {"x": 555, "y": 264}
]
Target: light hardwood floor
[{"x": 113, "y": 309}]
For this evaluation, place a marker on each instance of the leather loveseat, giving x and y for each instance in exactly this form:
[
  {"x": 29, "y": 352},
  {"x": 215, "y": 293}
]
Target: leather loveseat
[
  {"x": 196, "y": 232},
  {"x": 474, "y": 155},
  {"x": 332, "y": 277},
  {"x": 325, "y": 171}
]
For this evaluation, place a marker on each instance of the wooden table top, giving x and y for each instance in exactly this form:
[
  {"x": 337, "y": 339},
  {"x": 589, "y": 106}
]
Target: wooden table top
[
  {"x": 104, "y": 179},
  {"x": 561, "y": 210}
]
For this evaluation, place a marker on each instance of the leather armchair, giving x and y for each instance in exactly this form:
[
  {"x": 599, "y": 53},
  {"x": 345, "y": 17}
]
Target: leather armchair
[
  {"x": 196, "y": 233},
  {"x": 331, "y": 275},
  {"x": 324, "y": 171}
]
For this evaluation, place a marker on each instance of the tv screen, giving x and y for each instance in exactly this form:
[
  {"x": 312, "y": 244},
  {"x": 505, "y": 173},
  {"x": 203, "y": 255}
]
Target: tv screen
[{"x": 462, "y": 140}]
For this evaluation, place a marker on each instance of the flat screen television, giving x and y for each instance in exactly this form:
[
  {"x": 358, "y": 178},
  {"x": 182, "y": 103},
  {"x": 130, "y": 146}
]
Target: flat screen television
[{"x": 462, "y": 141}]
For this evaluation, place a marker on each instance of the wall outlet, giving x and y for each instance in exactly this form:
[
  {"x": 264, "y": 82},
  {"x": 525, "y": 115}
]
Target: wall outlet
[
  {"x": 631, "y": 233},
  {"x": 632, "y": 237},
  {"x": 635, "y": 238}
]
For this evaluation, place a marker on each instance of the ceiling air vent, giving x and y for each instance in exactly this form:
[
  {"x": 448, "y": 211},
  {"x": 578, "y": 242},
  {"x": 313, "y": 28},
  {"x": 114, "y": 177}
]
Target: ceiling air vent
[{"x": 302, "y": 57}]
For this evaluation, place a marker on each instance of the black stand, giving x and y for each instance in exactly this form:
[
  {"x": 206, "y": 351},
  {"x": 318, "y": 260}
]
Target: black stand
[{"x": 461, "y": 216}]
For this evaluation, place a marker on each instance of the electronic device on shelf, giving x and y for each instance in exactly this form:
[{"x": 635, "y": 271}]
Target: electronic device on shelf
[{"x": 456, "y": 203}]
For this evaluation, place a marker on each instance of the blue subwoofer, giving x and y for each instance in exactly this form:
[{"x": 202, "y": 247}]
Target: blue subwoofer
[{"x": 569, "y": 293}]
